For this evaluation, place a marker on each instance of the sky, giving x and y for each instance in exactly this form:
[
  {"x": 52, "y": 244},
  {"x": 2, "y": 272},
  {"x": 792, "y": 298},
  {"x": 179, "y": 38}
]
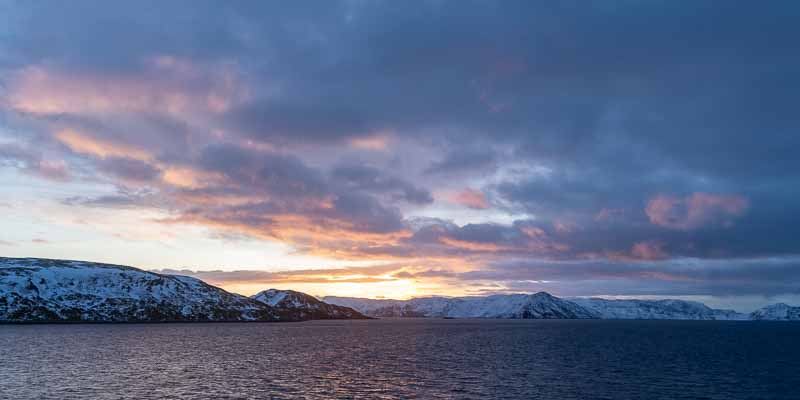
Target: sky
[{"x": 401, "y": 149}]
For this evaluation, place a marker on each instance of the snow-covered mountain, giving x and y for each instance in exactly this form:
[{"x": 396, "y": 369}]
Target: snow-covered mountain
[
  {"x": 42, "y": 290},
  {"x": 655, "y": 309},
  {"x": 34, "y": 290},
  {"x": 522, "y": 306},
  {"x": 777, "y": 312},
  {"x": 308, "y": 306},
  {"x": 363, "y": 305},
  {"x": 543, "y": 305}
]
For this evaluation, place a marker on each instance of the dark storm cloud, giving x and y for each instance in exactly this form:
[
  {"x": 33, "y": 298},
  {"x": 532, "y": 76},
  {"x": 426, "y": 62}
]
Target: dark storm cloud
[{"x": 621, "y": 131}]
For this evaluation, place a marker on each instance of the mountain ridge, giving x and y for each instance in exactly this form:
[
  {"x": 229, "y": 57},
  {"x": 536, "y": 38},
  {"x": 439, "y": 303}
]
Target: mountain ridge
[
  {"x": 599, "y": 308},
  {"x": 50, "y": 290}
]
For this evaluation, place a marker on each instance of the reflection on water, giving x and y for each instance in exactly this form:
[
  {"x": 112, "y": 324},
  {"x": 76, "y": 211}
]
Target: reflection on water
[{"x": 397, "y": 359}]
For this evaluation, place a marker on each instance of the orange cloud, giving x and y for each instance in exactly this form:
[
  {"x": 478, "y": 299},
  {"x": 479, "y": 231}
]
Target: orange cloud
[
  {"x": 398, "y": 280},
  {"x": 101, "y": 148},
  {"x": 474, "y": 246},
  {"x": 190, "y": 178},
  {"x": 375, "y": 142},
  {"x": 328, "y": 238}
]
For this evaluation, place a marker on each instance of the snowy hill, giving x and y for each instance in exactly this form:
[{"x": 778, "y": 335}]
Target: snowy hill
[
  {"x": 520, "y": 306},
  {"x": 362, "y": 305},
  {"x": 777, "y": 312},
  {"x": 39, "y": 290},
  {"x": 308, "y": 306},
  {"x": 655, "y": 309}
]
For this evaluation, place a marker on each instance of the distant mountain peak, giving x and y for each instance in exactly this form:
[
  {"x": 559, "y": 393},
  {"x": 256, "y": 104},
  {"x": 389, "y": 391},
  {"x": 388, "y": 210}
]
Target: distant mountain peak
[
  {"x": 777, "y": 312},
  {"x": 540, "y": 305}
]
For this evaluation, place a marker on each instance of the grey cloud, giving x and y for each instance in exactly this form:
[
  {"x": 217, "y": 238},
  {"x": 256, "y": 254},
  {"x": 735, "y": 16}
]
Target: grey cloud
[
  {"x": 124, "y": 198},
  {"x": 32, "y": 162},
  {"x": 465, "y": 160},
  {"x": 129, "y": 169},
  {"x": 277, "y": 174},
  {"x": 676, "y": 277},
  {"x": 361, "y": 177}
]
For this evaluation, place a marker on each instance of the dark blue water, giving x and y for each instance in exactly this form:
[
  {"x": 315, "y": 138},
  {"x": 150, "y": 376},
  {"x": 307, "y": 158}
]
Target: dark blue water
[{"x": 394, "y": 359}]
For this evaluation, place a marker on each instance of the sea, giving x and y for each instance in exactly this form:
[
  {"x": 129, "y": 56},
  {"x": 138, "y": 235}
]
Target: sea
[{"x": 403, "y": 359}]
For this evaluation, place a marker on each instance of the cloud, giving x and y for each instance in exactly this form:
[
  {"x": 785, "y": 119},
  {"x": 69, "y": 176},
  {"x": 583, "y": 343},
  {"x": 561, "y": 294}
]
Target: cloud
[
  {"x": 129, "y": 170},
  {"x": 369, "y": 179},
  {"x": 372, "y": 274},
  {"x": 123, "y": 199},
  {"x": 167, "y": 85},
  {"x": 464, "y": 160},
  {"x": 649, "y": 250},
  {"x": 604, "y": 139},
  {"x": 376, "y": 142},
  {"x": 472, "y": 198},
  {"x": 100, "y": 147},
  {"x": 696, "y": 210},
  {"x": 32, "y": 162},
  {"x": 665, "y": 278},
  {"x": 607, "y": 214}
]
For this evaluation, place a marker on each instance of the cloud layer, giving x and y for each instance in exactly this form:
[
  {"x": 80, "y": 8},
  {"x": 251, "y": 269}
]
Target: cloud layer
[{"x": 600, "y": 147}]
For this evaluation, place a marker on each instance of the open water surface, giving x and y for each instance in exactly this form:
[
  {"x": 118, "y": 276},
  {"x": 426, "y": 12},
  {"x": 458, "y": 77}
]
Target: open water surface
[{"x": 402, "y": 359}]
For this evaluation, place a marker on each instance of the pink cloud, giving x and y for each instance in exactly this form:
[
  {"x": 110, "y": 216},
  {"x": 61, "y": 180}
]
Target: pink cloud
[
  {"x": 377, "y": 142},
  {"x": 695, "y": 211},
  {"x": 563, "y": 227},
  {"x": 472, "y": 198},
  {"x": 55, "y": 170},
  {"x": 169, "y": 85},
  {"x": 608, "y": 213},
  {"x": 649, "y": 250}
]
